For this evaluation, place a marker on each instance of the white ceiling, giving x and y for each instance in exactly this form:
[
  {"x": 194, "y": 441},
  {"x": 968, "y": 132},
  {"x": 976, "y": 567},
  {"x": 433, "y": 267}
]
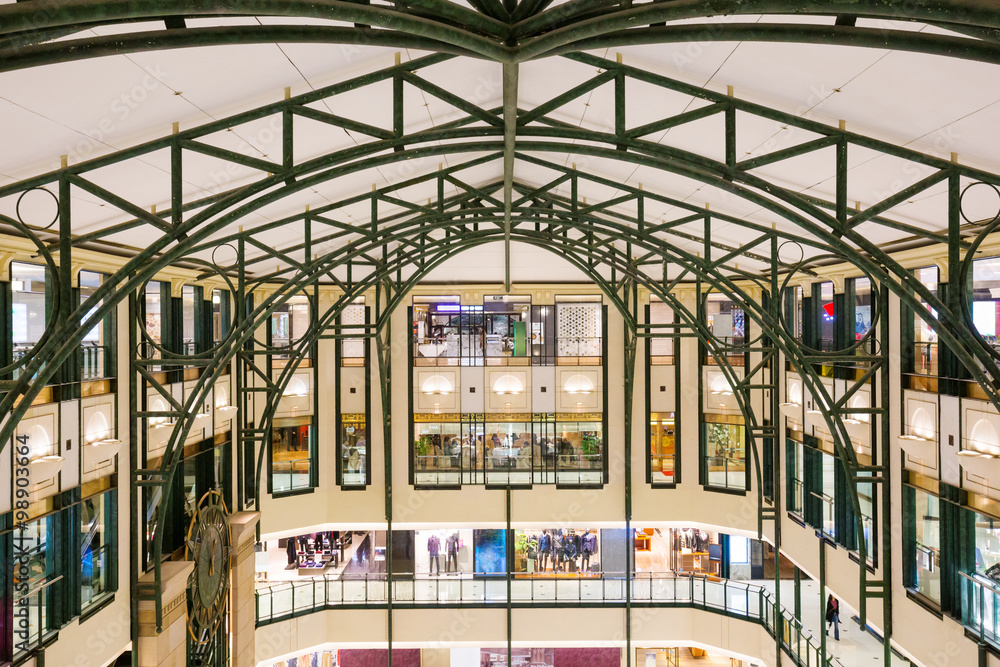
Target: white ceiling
[{"x": 85, "y": 109}]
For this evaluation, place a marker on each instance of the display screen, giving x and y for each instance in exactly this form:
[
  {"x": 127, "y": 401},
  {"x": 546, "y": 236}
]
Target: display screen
[{"x": 490, "y": 548}]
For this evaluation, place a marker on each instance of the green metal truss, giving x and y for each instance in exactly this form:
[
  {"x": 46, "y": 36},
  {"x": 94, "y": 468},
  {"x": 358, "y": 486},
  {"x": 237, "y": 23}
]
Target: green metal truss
[
  {"x": 508, "y": 32},
  {"x": 419, "y": 237}
]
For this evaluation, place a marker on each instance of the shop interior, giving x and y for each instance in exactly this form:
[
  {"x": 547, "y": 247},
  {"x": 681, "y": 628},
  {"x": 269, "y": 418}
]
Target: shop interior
[
  {"x": 446, "y": 332},
  {"x": 463, "y": 553}
]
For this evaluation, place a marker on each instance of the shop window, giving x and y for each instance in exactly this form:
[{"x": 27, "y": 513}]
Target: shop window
[
  {"x": 662, "y": 451},
  {"x": 520, "y": 449},
  {"x": 507, "y": 452},
  {"x": 862, "y": 307},
  {"x": 724, "y": 461},
  {"x": 662, "y": 347},
  {"x": 795, "y": 462},
  {"x": 98, "y": 548},
  {"x": 189, "y": 324},
  {"x": 97, "y": 349},
  {"x": 828, "y": 497},
  {"x": 221, "y": 314},
  {"x": 986, "y": 299},
  {"x": 922, "y": 514},
  {"x": 826, "y": 316},
  {"x": 923, "y": 358},
  {"x": 562, "y": 552},
  {"x": 289, "y": 323},
  {"x": 153, "y": 318},
  {"x": 354, "y": 451},
  {"x": 29, "y": 307},
  {"x": 353, "y": 350},
  {"x": 579, "y": 330},
  {"x": 866, "y": 499},
  {"x": 987, "y": 546},
  {"x": 438, "y": 455},
  {"x": 726, "y": 321},
  {"x": 500, "y": 332},
  {"x": 793, "y": 311},
  {"x": 33, "y": 576},
  {"x": 292, "y": 447},
  {"x": 579, "y": 452},
  {"x": 506, "y": 320}
]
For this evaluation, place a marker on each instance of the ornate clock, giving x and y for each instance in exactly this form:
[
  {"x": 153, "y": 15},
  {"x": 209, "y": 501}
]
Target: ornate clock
[{"x": 208, "y": 545}]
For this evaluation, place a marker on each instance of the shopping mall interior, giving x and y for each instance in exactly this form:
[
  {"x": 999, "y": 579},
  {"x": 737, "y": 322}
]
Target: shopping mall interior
[{"x": 499, "y": 333}]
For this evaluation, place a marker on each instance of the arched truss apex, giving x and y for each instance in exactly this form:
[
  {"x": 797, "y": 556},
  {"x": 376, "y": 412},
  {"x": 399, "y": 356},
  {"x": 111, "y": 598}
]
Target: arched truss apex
[{"x": 508, "y": 32}]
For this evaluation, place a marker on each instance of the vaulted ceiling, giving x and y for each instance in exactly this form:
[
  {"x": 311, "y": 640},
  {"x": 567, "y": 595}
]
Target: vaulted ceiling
[{"x": 135, "y": 73}]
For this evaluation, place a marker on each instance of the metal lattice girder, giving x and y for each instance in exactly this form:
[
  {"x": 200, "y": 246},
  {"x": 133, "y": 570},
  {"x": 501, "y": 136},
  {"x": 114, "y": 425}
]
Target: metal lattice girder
[{"x": 524, "y": 31}]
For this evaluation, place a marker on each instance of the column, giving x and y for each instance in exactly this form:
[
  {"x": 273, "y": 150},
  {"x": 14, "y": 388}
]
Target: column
[
  {"x": 242, "y": 609},
  {"x": 167, "y": 648}
]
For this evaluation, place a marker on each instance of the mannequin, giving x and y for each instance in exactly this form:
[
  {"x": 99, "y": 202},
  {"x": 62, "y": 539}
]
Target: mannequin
[
  {"x": 451, "y": 548},
  {"x": 588, "y": 548},
  {"x": 433, "y": 551},
  {"x": 293, "y": 556},
  {"x": 557, "y": 551},
  {"x": 544, "y": 546}
]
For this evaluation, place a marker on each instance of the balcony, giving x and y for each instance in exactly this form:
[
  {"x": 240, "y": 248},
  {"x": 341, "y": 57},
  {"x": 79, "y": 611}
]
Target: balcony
[{"x": 740, "y": 600}]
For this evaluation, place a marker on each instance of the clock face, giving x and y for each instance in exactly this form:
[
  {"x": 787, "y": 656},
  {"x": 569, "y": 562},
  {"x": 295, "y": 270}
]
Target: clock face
[{"x": 208, "y": 587}]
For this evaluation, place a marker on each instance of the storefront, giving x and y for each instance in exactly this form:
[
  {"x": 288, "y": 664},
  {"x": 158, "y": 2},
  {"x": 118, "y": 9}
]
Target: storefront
[
  {"x": 572, "y": 552},
  {"x": 444, "y": 552}
]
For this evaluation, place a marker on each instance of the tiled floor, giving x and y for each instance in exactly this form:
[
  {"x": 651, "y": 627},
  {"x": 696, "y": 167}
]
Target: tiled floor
[{"x": 855, "y": 647}]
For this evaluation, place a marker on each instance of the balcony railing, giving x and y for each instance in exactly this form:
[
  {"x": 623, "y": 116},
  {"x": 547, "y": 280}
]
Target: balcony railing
[
  {"x": 981, "y": 608},
  {"x": 466, "y": 350},
  {"x": 508, "y": 466},
  {"x": 284, "y": 600}
]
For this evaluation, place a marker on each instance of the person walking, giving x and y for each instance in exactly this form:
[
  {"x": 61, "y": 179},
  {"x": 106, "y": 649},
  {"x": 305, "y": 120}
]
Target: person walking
[{"x": 833, "y": 616}]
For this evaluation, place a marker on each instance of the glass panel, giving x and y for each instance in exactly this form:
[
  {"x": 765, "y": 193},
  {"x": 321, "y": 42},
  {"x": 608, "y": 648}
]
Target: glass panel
[
  {"x": 95, "y": 549},
  {"x": 152, "y": 307},
  {"x": 28, "y": 305},
  {"x": 220, "y": 312},
  {"x": 508, "y": 452},
  {"x": 661, "y": 348},
  {"x": 289, "y": 323},
  {"x": 925, "y": 352},
  {"x": 579, "y": 328},
  {"x": 291, "y": 459},
  {"x": 725, "y": 452},
  {"x": 826, "y": 316},
  {"x": 579, "y": 452},
  {"x": 437, "y": 453},
  {"x": 928, "y": 545},
  {"x": 94, "y": 348},
  {"x": 829, "y": 496},
  {"x": 662, "y": 454},
  {"x": 354, "y": 453},
  {"x": 353, "y": 316},
  {"x": 987, "y": 545},
  {"x": 187, "y": 320},
  {"x": 862, "y": 307}
]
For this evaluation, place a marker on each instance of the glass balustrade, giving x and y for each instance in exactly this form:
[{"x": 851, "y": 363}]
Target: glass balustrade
[{"x": 284, "y": 600}]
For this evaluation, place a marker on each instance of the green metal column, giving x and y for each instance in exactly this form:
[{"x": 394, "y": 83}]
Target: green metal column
[{"x": 798, "y": 593}]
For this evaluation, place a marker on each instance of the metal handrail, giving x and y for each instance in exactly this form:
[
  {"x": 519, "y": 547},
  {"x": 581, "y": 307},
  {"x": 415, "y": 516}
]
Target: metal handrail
[
  {"x": 741, "y": 599},
  {"x": 38, "y": 590}
]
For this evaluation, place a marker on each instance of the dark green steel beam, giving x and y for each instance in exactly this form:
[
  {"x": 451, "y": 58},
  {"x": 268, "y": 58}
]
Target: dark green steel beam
[
  {"x": 510, "y": 78},
  {"x": 873, "y": 38}
]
